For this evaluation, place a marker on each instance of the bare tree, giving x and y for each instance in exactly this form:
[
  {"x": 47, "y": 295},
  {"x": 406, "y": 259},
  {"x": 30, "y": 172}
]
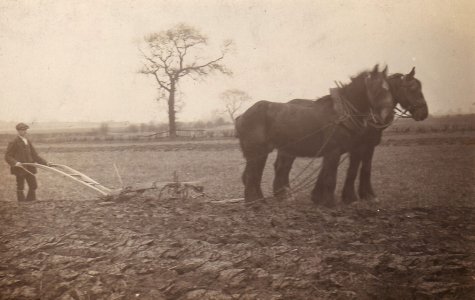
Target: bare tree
[
  {"x": 234, "y": 100},
  {"x": 173, "y": 54}
]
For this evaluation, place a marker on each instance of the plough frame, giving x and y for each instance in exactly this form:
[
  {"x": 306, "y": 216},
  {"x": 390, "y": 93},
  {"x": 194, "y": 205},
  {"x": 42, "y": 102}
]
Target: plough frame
[{"x": 108, "y": 192}]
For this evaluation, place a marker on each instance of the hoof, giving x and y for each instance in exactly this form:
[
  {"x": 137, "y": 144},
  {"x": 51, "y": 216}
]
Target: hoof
[
  {"x": 329, "y": 204},
  {"x": 374, "y": 199},
  {"x": 369, "y": 198},
  {"x": 348, "y": 201},
  {"x": 328, "y": 201},
  {"x": 255, "y": 205},
  {"x": 284, "y": 194},
  {"x": 252, "y": 197},
  {"x": 349, "y": 198}
]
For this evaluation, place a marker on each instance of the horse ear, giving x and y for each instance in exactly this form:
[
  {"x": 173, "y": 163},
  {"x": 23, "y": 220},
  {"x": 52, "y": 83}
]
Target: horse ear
[
  {"x": 385, "y": 71},
  {"x": 375, "y": 70},
  {"x": 412, "y": 73}
]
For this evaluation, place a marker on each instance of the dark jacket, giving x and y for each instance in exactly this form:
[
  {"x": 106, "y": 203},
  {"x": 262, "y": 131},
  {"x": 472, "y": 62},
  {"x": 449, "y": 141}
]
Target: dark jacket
[{"x": 17, "y": 151}]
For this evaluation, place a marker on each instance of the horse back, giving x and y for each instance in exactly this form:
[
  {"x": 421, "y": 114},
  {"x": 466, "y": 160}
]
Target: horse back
[
  {"x": 298, "y": 128},
  {"x": 303, "y": 102},
  {"x": 265, "y": 117}
]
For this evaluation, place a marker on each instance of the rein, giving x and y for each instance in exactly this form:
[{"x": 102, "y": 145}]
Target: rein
[{"x": 402, "y": 113}]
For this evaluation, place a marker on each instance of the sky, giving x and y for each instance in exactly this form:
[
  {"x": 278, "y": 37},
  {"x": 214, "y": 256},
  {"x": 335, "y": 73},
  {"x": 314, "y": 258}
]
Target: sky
[{"x": 78, "y": 60}]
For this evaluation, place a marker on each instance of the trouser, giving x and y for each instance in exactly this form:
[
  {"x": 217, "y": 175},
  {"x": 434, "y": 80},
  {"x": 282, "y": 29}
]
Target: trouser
[{"x": 32, "y": 186}]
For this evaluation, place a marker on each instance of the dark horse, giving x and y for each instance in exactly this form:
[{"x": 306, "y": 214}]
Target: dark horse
[
  {"x": 328, "y": 127},
  {"x": 407, "y": 91}
]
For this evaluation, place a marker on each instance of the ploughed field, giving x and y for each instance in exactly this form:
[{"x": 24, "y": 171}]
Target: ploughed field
[{"x": 417, "y": 242}]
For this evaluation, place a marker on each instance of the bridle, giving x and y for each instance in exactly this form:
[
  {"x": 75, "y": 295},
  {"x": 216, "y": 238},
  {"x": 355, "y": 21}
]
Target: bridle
[{"x": 404, "y": 112}]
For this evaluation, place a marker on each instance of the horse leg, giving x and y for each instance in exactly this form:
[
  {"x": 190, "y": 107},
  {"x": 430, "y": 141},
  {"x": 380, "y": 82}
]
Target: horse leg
[
  {"x": 282, "y": 167},
  {"x": 260, "y": 164},
  {"x": 349, "y": 194},
  {"x": 365, "y": 188},
  {"x": 244, "y": 177},
  {"x": 323, "y": 192},
  {"x": 252, "y": 177}
]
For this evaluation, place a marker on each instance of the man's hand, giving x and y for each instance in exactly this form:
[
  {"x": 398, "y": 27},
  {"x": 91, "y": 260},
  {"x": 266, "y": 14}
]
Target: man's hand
[{"x": 18, "y": 164}]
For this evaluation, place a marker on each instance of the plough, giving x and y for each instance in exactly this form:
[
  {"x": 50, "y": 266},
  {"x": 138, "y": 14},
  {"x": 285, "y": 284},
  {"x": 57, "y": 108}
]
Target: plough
[{"x": 172, "y": 189}]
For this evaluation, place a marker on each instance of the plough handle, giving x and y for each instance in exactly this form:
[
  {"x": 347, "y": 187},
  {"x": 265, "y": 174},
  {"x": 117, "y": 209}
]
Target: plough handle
[
  {"x": 25, "y": 169},
  {"x": 85, "y": 180}
]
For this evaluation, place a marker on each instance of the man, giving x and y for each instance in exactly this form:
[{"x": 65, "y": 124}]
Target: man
[{"x": 19, "y": 151}]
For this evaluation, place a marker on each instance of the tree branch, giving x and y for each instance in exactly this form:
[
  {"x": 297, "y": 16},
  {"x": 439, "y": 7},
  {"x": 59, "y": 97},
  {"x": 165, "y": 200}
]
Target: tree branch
[
  {"x": 204, "y": 69},
  {"x": 161, "y": 83},
  {"x": 168, "y": 58}
]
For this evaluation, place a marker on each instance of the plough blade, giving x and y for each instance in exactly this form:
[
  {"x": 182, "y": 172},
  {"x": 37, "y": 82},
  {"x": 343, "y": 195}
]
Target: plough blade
[{"x": 178, "y": 189}]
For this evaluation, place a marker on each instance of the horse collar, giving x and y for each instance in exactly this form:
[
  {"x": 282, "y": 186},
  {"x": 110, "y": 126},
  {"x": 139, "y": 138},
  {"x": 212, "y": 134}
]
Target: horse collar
[
  {"x": 347, "y": 113},
  {"x": 337, "y": 102}
]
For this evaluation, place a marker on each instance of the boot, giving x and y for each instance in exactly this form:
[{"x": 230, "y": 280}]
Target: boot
[
  {"x": 31, "y": 196},
  {"x": 20, "y": 196}
]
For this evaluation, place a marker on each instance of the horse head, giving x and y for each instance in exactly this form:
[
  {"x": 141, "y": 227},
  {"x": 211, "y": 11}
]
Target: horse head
[
  {"x": 408, "y": 93},
  {"x": 380, "y": 99}
]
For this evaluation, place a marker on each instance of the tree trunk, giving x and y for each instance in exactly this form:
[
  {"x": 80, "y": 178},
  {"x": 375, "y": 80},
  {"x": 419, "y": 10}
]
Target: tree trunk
[
  {"x": 171, "y": 112},
  {"x": 231, "y": 116}
]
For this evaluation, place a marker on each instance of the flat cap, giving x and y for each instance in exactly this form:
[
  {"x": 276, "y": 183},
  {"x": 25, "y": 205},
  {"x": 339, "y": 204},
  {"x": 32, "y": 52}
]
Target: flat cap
[{"x": 21, "y": 126}]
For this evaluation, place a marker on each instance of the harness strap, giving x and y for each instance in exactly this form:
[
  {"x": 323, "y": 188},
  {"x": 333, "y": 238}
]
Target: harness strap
[{"x": 348, "y": 114}]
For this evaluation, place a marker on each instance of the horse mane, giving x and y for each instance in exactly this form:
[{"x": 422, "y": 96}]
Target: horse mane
[
  {"x": 401, "y": 76},
  {"x": 360, "y": 77},
  {"x": 395, "y": 75},
  {"x": 355, "y": 91}
]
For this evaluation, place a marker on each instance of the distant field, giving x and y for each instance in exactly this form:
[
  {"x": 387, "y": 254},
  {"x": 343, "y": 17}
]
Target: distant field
[
  {"x": 436, "y": 167},
  {"x": 122, "y": 132}
]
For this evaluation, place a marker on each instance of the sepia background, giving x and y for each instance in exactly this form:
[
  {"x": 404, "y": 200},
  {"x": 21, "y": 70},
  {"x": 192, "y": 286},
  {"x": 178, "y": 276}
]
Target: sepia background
[
  {"x": 78, "y": 60},
  {"x": 71, "y": 70}
]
